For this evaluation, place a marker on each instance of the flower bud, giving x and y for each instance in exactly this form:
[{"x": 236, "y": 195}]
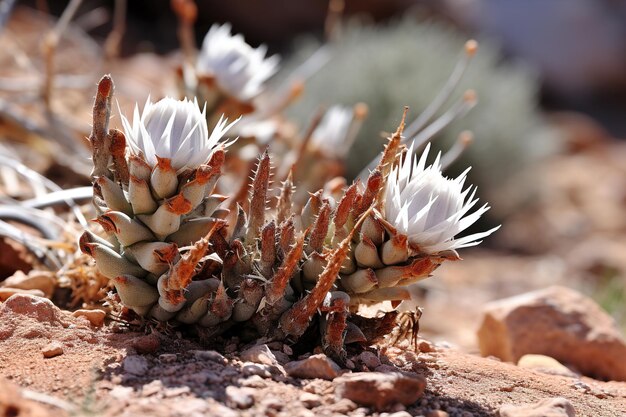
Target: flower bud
[
  {"x": 127, "y": 231},
  {"x": 166, "y": 220},
  {"x": 164, "y": 180},
  {"x": 140, "y": 196},
  {"x": 193, "y": 312},
  {"x": 134, "y": 292},
  {"x": 395, "y": 251},
  {"x": 366, "y": 254},
  {"x": 139, "y": 168},
  {"x": 110, "y": 263},
  {"x": 361, "y": 281},
  {"x": 154, "y": 257},
  {"x": 192, "y": 230},
  {"x": 113, "y": 196}
]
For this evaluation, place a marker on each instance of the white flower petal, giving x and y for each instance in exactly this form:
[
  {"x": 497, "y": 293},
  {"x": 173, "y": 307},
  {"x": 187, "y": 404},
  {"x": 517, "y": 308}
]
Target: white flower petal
[
  {"x": 238, "y": 68},
  {"x": 429, "y": 208},
  {"x": 331, "y": 135},
  {"x": 174, "y": 129}
]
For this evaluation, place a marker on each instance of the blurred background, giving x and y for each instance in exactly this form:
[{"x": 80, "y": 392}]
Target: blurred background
[{"x": 548, "y": 155}]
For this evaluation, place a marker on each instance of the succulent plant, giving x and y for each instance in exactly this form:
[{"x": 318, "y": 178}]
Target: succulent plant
[{"x": 273, "y": 269}]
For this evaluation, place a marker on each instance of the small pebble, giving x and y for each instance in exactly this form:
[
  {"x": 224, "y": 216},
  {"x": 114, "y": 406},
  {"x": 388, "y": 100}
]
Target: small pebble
[
  {"x": 316, "y": 366},
  {"x": 250, "y": 368},
  {"x": 259, "y": 354},
  {"x": 210, "y": 355},
  {"x": 425, "y": 346},
  {"x": 239, "y": 397},
  {"x": 52, "y": 349},
  {"x": 344, "y": 406},
  {"x": 254, "y": 381},
  {"x": 168, "y": 357},
  {"x": 369, "y": 359},
  {"x": 135, "y": 364},
  {"x": 310, "y": 400},
  {"x": 146, "y": 344},
  {"x": 95, "y": 317},
  {"x": 437, "y": 413}
]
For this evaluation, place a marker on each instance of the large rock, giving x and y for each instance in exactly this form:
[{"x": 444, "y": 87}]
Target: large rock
[
  {"x": 552, "y": 407},
  {"x": 380, "y": 390},
  {"x": 44, "y": 281},
  {"x": 557, "y": 322},
  {"x": 32, "y": 306}
]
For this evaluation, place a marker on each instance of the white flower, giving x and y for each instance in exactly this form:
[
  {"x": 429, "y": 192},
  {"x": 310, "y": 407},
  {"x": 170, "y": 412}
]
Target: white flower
[
  {"x": 262, "y": 130},
  {"x": 173, "y": 129},
  {"x": 430, "y": 209},
  {"x": 238, "y": 68},
  {"x": 332, "y": 133}
]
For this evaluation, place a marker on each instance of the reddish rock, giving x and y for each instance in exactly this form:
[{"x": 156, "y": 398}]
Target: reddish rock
[
  {"x": 44, "y": 281},
  {"x": 426, "y": 346},
  {"x": 38, "y": 308},
  {"x": 552, "y": 407},
  {"x": 380, "y": 390},
  {"x": 369, "y": 359},
  {"x": 52, "y": 349},
  {"x": 95, "y": 317},
  {"x": 556, "y": 322},
  {"x": 259, "y": 354},
  {"x": 316, "y": 366},
  {"x": 146, "y": 344},
  {"x": 7, "y": 292}
]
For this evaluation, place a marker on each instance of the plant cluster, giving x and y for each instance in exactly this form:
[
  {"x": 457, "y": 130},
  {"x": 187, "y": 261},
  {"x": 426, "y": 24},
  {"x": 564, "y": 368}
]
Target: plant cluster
[{"x": 258, "y": 262}]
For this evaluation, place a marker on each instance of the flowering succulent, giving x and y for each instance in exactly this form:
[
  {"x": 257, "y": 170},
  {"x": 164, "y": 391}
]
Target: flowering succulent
[
  {"x": 275, "y": 268},
  {"x": 174, "y": 130},
  {"x": 238, "y": 69},
  {"x": 429, "y": 208}
]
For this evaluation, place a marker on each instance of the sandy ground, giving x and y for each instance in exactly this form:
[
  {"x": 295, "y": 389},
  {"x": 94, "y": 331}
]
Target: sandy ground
[{"x": 111, "y": 373}]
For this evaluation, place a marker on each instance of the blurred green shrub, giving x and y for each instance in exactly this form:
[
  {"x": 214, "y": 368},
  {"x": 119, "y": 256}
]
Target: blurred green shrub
[{"x": 407, "y": 63}]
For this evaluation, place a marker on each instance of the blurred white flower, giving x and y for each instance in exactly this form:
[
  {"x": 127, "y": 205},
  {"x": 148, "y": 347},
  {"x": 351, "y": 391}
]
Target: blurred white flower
[
  {"x": 238, "y": 68},
  {"x": 331, "y": 136},
  {"x": 173, "y": 129},
  {"x": 262, "y": 130},
  {"x": 429, "y": 208}
]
